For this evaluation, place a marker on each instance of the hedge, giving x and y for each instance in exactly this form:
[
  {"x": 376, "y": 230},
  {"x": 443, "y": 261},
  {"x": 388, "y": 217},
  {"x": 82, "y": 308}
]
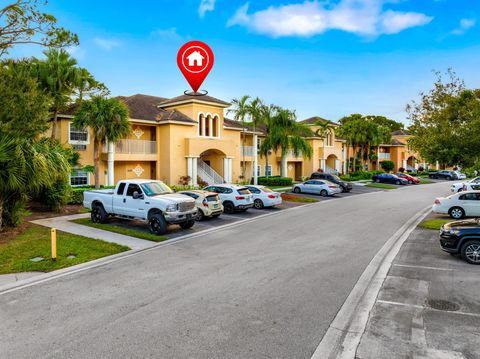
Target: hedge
[
  {"x": 360, "y": 175},
  {"x": 77, "y": 193},
  {"x": 275, "y": 181}
]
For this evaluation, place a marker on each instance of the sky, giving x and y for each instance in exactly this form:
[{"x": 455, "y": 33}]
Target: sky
[{"x": 325, "y": 58}]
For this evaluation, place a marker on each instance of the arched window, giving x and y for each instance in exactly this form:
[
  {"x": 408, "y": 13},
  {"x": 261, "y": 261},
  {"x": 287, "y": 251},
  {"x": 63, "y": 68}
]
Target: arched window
[
  {"x": 215, "y": 126},
  {"x": 208, "y": 125},
  {"x": 201, "y": 122}
]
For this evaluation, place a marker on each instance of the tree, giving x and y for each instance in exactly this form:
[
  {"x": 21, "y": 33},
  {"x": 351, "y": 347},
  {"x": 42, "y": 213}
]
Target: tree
[
  {"x": 86, "y": 84},
  {"x": 59, "y": 76},
  {"x": 108, "y": 119},
  {"x": 392, "y": 125},
  {"x": 24, "y": 107},
  {"x": 325, "y": 129},
  {"x": 445, "y": 122},
  {"x": 255, "y": 114},
  {"x": 240, "y": 113},
  {"x": 267, "y": 118},
  {"x": 350, "y": 130},
  {"x": 387, "y": 166},
  {"x": 26, "y": 169},
  {"x": 21, "y": 22}
]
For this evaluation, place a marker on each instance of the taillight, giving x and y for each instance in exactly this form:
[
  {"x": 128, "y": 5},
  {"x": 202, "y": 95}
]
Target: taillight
[
  {"x": 205, "y": 203},
  {"x": 332, "y": 186},
  {"x": 238, "y": 198},
  {"x": 271, "y": 196},
  {"x": 437, "y": 201},
  {"x": 464, "y": 188}
]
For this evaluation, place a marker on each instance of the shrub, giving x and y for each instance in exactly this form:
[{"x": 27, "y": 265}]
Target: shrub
[
  {"x": 77, "y": 193},
  {"x": 275, "y": 181},
  {"x": 387, "y": 166},
  {"x": 401, "y": 169},
  {"x": 360, "y": 175},
  {"x": 183, "y": 187},
  {"x": 57, "y": 195}
]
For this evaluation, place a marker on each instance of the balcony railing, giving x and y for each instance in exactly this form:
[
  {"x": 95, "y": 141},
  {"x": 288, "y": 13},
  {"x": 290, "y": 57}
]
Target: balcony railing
[
  {"x": 134, "y": 147},
  {"x": 246, "y": 150},
  {"x": 384, "y": 156}
]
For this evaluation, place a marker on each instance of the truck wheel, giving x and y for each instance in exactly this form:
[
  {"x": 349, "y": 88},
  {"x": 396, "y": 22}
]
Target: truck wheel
[
  {"x": 157, "y": 224},
  {"x": 99, "y": 215},
  {"x": 187, "y": 224}
]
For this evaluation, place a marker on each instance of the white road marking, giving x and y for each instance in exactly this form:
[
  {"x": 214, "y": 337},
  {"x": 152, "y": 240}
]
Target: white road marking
[
  {"x": 423, "y": 267},
  {"x": 388, "y": 302}
]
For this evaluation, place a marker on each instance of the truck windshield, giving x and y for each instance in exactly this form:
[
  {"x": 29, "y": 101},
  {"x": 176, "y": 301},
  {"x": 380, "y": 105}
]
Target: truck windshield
[{"x": 155, "y": 188}]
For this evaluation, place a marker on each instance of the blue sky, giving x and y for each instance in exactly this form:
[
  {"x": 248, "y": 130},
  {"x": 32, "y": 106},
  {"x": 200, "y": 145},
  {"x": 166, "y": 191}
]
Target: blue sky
[{"x": 327, "y": 58}]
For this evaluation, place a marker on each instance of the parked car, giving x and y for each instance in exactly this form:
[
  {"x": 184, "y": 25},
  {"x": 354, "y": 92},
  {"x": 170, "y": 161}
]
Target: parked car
[
  {"x": 233, "y": 197},
  {"x": 389, "y": 178},
  {"x": 459, "y": 205},
  {"x": 409, "y": 178},
  {"x": 472, "y": 185},
  {"x": 448, "y": 175},
  {"x": 208, "y": 203},
  {"x": 148, "y": 200},
  {"x": 462, "y": 237},
  {"x": 264, "y": 196},
  {"x": 323, "y": 188},
  {"x": 345, "y": 186}
]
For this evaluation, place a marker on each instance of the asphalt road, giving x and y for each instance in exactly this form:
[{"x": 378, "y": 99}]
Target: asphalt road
[{"x": 264, "y": 289}]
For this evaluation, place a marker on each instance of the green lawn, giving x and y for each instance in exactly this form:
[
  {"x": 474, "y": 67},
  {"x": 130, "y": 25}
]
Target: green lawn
[
  {"x": 293, "y": 198},
  {"x": 434, "y": 224},
  {"x": 381, "y": 185},
  {"x": 426, "y": 181},
  {"x": 122, "y": 230},
  {"x": 34, "y": 242}
]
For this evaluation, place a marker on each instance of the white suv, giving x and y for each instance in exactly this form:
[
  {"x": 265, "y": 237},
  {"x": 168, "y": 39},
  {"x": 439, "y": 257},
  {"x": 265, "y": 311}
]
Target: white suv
[
  {"x": 472, "y": 185},
  {"x": 234, "y": 198}
]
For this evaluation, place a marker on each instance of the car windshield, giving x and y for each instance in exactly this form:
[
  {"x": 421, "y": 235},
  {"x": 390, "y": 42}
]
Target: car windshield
[
  {"x": 336, "y": 178},
  {"x": 155, "y": 188}
]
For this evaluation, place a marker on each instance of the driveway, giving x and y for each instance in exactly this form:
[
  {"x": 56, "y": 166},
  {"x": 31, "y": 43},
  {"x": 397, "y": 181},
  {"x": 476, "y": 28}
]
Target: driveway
[{"x": 267, "y": 288}]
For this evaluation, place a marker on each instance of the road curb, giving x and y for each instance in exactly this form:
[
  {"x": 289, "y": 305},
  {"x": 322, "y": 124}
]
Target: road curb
[{"x": 345, "y": 331}]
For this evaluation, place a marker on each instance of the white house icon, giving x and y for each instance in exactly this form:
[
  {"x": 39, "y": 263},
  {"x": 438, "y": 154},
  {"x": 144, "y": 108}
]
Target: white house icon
[{"x": 195, "y": 57}]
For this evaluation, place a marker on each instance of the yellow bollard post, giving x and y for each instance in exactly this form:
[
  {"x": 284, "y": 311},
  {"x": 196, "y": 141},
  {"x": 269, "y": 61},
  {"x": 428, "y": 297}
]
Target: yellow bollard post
[{"x": 54, "y": 244}]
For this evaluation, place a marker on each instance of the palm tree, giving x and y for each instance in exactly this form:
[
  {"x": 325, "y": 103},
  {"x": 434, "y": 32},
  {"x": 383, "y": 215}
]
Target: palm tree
[
  {"x": 240, "y": 112},
  {"x": 85, "y": 83},
  {"x": 325, "y": 128},
  {"x": 108, "y": 119},
  {"x": 267, "y": 116},
  {"x": 255, "y": 113},
  {"x": 58, "y": 75}
]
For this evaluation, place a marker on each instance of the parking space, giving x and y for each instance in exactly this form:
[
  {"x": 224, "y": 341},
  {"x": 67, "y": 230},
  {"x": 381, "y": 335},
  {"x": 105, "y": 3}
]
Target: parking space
[{"x": 357, "y": 189}]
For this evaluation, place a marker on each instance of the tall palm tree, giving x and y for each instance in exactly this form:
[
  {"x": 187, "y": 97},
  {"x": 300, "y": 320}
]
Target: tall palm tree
[
  {"x": 325, "y": 129},
  {"x": 267, "y": 118},
  {"x": 58, "y": 75},
  {"x": 255, "y": 113},
  {"x": 85, "y": 83},
  {"x": 240, "y": 112},
  {"x": 108, "y": 119}
]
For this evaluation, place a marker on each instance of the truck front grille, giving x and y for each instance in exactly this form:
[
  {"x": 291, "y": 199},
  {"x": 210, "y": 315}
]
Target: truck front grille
[{"x": 186, "y": 206}]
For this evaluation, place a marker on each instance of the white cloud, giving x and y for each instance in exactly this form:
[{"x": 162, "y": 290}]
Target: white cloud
[
  {"x": 169, "y": 34},
  {"x": 464, "y": 26},
  {"x": 205, "y": 5},
  {"x": 106, "y": 44},
  {"x": 361, "y": 17}
]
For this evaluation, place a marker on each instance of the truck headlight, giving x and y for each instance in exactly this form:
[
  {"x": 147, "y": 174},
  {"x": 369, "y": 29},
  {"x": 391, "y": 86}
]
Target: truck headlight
[
  {"x": 172, "y": 208},
  {"x": 454, "y": 231}
]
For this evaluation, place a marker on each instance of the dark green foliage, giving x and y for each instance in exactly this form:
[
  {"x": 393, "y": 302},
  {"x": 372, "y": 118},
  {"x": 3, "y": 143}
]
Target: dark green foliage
[
  {"x": 275, "y": 181},
  {"x": 387, "y": 166},
  {"x": 360, "y": 175}
]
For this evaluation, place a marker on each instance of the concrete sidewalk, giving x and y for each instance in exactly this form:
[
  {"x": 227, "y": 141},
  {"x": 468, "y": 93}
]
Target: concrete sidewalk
[
  {"x": 63, "y": 224},
  {"x": 428, "y": 306}
]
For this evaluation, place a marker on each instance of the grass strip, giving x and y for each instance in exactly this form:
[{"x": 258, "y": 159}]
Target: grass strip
[
  {"x": 34, "y": 241},
  {"x": 121, "y": 230},
  {"x": 381, "y": 185},
  {"x": 292, "y": 198},
  {"x": 433, "y": 224}
]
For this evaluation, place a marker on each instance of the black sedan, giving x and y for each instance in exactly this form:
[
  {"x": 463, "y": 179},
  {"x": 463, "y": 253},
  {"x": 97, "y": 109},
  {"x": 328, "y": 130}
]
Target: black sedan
[
  {"x": 389, "y": 178},
  {"x": 448, "y": 175},
  {"x": 345, "y": 186},
  {"x": 462, "y": 237}
]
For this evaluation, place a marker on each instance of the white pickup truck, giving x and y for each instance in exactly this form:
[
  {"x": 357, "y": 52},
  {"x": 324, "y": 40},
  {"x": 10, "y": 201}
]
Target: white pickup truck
[{"x": 147, "y": 200}]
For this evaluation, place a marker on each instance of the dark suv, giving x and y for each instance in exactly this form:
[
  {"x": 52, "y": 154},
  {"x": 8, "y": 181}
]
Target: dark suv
[
  {"x": 448, "y": 175},
  {"x": 462, "y": 237},
  {"x": 345, "y": 186}
]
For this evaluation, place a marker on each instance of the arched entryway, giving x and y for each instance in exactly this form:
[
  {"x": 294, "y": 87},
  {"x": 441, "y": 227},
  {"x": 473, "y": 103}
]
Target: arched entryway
[
  {"x": 214, "y": 166},
  {"x": 411, "y": 162},
  {"x": 332, "y": 164}
]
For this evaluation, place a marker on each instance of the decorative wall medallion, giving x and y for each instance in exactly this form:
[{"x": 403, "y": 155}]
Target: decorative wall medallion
[
  {"x": 138, "y": 132},
  {"x": 138, "y": 170},
  {"x": 290, "y": 167}
]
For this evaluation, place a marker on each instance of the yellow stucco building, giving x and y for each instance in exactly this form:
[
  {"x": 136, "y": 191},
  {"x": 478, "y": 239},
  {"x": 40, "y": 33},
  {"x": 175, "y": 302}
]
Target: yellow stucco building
[{"x": 189, "y": 136}]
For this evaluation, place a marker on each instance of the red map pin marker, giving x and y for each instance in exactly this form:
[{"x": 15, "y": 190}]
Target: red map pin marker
[{"x": 195, "y": 60}]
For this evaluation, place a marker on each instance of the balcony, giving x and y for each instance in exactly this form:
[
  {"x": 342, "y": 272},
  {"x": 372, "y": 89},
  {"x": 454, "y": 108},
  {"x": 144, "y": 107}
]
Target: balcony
[
  {"x": 134, "y": 150},
  {"x": 246, "y": 150},
  {"x": 383, "y": 156}
]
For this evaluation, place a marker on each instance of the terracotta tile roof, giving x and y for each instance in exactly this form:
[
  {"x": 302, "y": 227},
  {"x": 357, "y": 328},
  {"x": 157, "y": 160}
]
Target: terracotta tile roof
[
  {"x": 312, "y": 120},
  {"x": 401, "y": 133},
  {"x": 396, "y": 142},
  {"x": 185, "y": 98}
]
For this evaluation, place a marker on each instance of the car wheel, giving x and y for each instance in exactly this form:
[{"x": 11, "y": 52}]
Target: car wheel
[
  {"x": 228, "y": 207},
  {"x": 344, "y": 190},
  {"x": 187, "y": 224},
  {"x": 200, "y": 216},
  {"x": 99, "y": 215},
  {"x": 323, "y": 193},
  {"x": 157, "y": 224},
  {"x": 459, "y": 190},
  {"x": 258, "y": 204},
  {"x": 297, "y": 190},
  {"x": 410, "y": 182},
  {"x": 397, "y": 183},
  {"x": 456, "y": 212},
  {"x": 471, "y": 252},
  {"x": 377, "y": 180}
]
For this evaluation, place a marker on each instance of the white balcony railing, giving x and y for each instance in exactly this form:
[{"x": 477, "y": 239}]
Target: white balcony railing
[
  {"x": 291, "y": 154},
  {"x": 384, "y": 156},
  {"x": 246, "y": 150},
  {"x": 134, "y": 147}
]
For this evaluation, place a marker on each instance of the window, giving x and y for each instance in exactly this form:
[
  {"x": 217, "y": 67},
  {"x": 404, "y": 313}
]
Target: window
[
  {"x": 243, "y": 191},
  {"x": 208, "y": 125},
  {"x": 259, "y": 170},
  {"x": 268, "y": 170},
  {"x": 121, "y": 188},
  {"x": 77, "y": 136},
  {"x": 201, "y": 120},
  {"x": 79, "y": 178},
  {"x": 470, "y": 197},
  {"x": 310, "y": 182},
  {"x": 79, "y": 147},
  {"x": 215, "y": 127},
  {"x": 189, "y": 194},
  {"x": 259, "y": 143},
  {"x": 253, "y": 189},
  {"x": 133, "y": 187}
]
